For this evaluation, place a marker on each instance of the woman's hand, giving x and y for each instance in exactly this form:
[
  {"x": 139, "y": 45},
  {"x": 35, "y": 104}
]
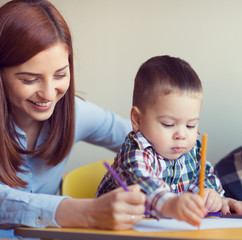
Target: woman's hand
[
  {"x": 212, "y": 200},
  {"x": 188, "y": 207},
  {"x": 117, "y": 210}
]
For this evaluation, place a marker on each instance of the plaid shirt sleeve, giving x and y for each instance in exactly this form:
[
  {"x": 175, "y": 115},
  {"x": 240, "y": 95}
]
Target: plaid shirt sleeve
[{"x": 229, "y": 170}]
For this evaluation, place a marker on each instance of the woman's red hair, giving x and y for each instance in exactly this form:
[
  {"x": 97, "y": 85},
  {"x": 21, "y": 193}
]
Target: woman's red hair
[{"x": 28, "y": 27}]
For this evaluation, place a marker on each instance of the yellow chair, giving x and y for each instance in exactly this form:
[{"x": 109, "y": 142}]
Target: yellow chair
[{"x": 83, "y": 182}]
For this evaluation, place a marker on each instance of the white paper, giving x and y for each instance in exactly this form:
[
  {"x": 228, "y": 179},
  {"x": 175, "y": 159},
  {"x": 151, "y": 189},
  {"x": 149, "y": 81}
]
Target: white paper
[{"x": 164, "y": 225}]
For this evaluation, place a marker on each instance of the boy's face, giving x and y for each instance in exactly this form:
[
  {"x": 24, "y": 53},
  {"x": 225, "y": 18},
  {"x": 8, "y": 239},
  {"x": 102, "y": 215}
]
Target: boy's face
[{"x": 171, "y": 123}]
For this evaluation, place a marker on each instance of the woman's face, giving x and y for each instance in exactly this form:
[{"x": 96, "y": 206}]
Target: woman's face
[{"x": 34, "y": 87}]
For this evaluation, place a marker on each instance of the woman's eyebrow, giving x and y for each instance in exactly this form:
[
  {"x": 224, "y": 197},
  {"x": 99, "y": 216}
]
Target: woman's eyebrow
[
  {"x": 27, "y": 73},
  {"x": 37, "y": 74},
  {"x": 61, "y": 69}
]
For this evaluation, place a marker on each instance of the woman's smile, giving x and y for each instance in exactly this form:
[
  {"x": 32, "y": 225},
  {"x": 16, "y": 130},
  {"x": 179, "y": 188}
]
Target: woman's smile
[{"x": 42, "y": 106}]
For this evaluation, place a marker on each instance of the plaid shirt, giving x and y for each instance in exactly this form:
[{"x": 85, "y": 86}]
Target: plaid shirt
[
  {"x": 138, "y": 162},
  {"x": 229, "y": 170}
]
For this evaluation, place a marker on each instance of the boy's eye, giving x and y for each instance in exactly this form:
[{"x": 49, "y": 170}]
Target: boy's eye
[
  {"x": 190, "y": 126},
  {"x": 167, "y": 125}
]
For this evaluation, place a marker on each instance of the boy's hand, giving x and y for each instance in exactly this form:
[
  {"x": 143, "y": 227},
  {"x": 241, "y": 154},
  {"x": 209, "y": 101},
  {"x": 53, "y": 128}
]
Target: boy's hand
[
  {"x": 188, "y": 207},
  {"x": 212, "y": 200},
  {"x": 231, "y": 205}
]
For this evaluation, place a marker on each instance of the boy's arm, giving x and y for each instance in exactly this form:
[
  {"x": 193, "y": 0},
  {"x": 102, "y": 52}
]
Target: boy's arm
[
  {"x": 142, "y": 167},
  {"x": 187, "y": 207}
]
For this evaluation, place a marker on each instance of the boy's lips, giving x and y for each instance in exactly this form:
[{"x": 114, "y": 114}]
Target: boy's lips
[{"x": 178, "y": 149}]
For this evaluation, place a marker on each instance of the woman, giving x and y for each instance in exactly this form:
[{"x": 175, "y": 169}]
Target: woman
[{"x": 41, "y": 119}]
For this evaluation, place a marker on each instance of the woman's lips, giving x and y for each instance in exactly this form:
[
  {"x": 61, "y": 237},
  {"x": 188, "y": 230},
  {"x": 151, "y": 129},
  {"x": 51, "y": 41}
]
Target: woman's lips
[{"x": 42, "y": 106}]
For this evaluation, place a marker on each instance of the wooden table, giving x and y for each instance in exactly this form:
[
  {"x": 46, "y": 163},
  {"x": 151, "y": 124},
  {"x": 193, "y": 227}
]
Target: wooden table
[{"x": 96, "y": 234}]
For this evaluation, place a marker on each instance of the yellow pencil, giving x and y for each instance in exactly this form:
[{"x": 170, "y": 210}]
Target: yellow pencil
[{"x": 203, "y": 160}]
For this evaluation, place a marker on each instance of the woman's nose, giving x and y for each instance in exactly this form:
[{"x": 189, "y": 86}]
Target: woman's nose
[{"x": 47, "y": 90}]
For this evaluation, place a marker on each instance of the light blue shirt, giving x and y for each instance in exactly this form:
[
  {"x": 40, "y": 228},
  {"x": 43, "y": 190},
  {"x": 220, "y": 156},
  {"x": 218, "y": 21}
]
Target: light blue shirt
[{"x": 35, "y": 206}]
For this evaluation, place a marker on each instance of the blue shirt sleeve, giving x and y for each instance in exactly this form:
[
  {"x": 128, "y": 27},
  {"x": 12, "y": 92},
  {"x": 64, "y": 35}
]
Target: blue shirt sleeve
[{"x": 30, "y": 209}]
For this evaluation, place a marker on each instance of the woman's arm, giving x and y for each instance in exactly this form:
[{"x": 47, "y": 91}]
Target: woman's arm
[
  {"x": 99, "y": 126},
  {"x": 18, "y": 207}
]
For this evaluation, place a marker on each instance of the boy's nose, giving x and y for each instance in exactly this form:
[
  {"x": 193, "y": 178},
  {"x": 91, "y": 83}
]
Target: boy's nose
[{"x": 180, "y": 134}]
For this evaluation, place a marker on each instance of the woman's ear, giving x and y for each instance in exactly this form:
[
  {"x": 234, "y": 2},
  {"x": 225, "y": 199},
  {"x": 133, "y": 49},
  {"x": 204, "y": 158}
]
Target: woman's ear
[{"x": 135, "y": 118}]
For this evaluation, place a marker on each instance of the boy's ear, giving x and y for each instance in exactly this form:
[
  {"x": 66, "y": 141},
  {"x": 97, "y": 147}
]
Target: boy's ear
[{"x": 135, "y": 118}]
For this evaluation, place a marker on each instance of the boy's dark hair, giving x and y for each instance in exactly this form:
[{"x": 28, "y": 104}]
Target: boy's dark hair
[{"x": 163, "y": 75}]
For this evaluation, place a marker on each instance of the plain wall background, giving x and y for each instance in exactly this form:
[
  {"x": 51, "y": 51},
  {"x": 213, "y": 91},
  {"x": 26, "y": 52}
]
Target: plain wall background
[{"x": 112, "y": 38}]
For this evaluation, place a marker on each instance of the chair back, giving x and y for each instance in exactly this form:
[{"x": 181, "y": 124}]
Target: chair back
[{"x": 83, "y": 182}]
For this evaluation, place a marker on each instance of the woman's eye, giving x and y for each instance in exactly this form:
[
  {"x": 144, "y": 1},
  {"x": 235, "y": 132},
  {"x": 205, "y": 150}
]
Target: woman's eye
[
  {"x": 27, "y": 81},
  {"x": 60, "y": 76},
  {"x": 167, "y": 125}
]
